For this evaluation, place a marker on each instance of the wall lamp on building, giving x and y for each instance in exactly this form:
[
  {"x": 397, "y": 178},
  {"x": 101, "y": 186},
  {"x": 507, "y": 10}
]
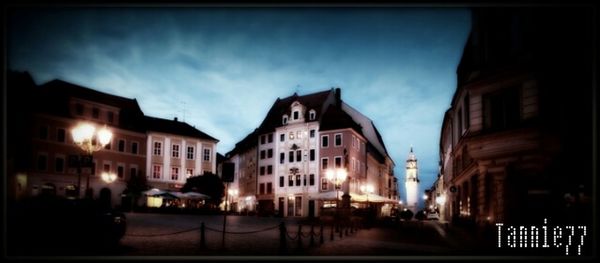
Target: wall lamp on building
[
  {"x": 89, "y": 140},
  {"x": 425, "y": 197},
  {"x": 441, "y": 200},
  {"x": 109, "y": 177}
]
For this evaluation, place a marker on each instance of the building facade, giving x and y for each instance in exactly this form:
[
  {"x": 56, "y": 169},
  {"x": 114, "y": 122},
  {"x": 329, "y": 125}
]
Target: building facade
[
  {"x": 177, "y": 151},
  {"x": 508, "y": 140},
  {"x": 300, "y": 139},
  {"x": 44, "y": 159}
]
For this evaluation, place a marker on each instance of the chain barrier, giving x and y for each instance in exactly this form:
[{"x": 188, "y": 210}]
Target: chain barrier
[
  {"x": 165, "y": 234},
  {"x": 244, "y": 232}
]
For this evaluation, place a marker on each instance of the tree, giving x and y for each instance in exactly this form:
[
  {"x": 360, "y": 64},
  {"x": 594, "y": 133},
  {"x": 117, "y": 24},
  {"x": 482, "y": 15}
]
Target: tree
[
  {"x": 209, "y": 184},
  {"x": 135, "y": 186}
]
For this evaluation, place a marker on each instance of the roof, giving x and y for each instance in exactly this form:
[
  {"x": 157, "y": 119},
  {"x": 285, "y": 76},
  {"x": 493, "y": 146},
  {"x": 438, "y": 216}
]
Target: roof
[
  {"x": 175, "y": 127},
  {"x": 331, "y": 112},
  {"x": 53, "y": 97},
  {"x": 315, "y": 101}
]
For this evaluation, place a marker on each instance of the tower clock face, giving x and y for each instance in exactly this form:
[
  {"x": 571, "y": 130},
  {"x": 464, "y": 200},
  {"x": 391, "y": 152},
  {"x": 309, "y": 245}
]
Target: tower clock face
[{"x": 411, "y": 165}]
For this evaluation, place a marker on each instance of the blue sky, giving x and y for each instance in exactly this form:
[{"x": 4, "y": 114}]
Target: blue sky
[{"x": 221, "y": 69}]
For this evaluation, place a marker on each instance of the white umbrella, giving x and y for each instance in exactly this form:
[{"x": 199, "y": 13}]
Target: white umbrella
[{"x": 153, "y": 192}]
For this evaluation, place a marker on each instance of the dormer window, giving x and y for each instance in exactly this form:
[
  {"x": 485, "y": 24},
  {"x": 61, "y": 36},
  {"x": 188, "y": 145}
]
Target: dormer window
[
  {"x": 311, "y": 115},
  {"x": 296, "y": 114},
  {"x": 285, "y": 119}
]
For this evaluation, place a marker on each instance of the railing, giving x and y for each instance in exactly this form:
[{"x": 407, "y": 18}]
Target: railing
[{"x": 316, "y": 232}]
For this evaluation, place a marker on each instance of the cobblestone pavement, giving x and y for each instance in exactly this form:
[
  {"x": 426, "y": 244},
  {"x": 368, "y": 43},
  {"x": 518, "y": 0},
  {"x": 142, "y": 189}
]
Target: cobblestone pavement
[{"x": 400, "y": 239}]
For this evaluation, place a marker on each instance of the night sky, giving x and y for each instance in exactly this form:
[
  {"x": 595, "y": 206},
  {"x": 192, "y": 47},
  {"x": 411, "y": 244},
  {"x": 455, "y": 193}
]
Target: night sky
[{"x": 221, "y": 69}]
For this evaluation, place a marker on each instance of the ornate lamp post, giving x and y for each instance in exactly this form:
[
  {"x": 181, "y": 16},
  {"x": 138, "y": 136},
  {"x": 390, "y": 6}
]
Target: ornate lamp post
[
  {"x": 89, "y": 140},
  {"x": 337, "y": 177},
  {"x": 233, "y": 193}
]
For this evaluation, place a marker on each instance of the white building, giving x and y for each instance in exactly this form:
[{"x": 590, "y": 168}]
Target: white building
[{"x": 177, "y": 151}]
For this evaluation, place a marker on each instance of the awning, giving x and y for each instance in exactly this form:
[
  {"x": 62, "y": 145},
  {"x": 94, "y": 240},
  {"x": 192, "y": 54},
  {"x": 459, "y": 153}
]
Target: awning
[{"x": 354, "y": 197}]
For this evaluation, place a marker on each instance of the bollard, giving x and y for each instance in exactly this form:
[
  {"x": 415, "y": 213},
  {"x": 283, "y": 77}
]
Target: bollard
[
  {"x": 321, "y": 238},
  {"x": 312, "y": 235},
  {"x": 341, "y": 231},
  {"x": 202, "y": 237},
  {"x": 331, "y": 232},
  {"x": 299, "y": 236},
  {"x": 282, "y": 238}
]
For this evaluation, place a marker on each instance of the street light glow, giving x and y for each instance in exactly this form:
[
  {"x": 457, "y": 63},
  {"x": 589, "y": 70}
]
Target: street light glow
[
  {"x": 425, "y": 197},
  {"x": 109, "y": 177}
]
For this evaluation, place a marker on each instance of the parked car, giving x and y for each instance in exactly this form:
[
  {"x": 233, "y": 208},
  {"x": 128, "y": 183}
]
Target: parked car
[{"x": 433, "y": 216}]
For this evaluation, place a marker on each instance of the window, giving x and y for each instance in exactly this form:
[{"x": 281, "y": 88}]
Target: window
[
  {"x": 281, "y": 181},
  {"x": 298, "y": 206},
  {"x": 312, "y": 115},
  {"x": 42, "y": 162},
  {"x": 291, "y": 180},
  {"x": 207, "y": 155},
  {"x": 262, "y": 139},
  {"x": 501, "y": 109},
  {"x": 296, "y": 114},
  {"x": 189, "y": 173},
  {"x": 190, "y": 152},
  {"x": 269, "y": 188},
  {"x": 312, "y": 154},
  {"x": 282, "y": 137},
  {"x": 79, "y": 109},
  {"x": 175, "y": 151},
  {"x": 324, "y": 163},
  {"x": 262, "y": 154},
  {"x": 304, "y": 181},
  {"x": 298, "y": 155},
  {"x": 120, "y": 171},
  {"x": 108, "y": 146},
  {"x": 269, "y": 169},
  {"x": 324, "y": 185},
  {"x": 311, "y": 179},
  {"x": 110, "y": 116},
  {"x": 175, "y": 173},
  {"x": 106, "y": 168},
  {"x": 270, "y": 153},
  {"x": 338, "y": 162},
  {"x": 312, "y": 133},
  {"x": 291, "y": 135},
  {"x": 59, "y": 164},
  {"x": 134, "y": 147},
  {"x": 95, "y": 113},
  {"x": 262, "y": 189},
  {"x": 132, "y": 172},
  {"x": 338, "y": 140},
  {"x": 467, "y": 115},
  {"x": 324, "y": 141},
  {"x": 121, "y": 145},
  {"x": 285, "y": 119},
  {"x": 156, "y": 171},
  {"x": 60, "y": 135},
  {"x": 281, "y": 157},
  {"x": 43, "y": 132},
  {"x": 262, "y": 170},
  {"x": 290, "y": 211},
  {"x": 157, "y": 148},
  {"x": 291, "y": 156},
  {"x": 297, "y": 180},
  {"x": 270, "y": 138},
  {"x": 299, "y": 134},
  {"x": 353, "y": 141}
]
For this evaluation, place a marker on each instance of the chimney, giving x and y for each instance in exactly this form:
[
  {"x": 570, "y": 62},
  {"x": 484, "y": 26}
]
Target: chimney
[
  {"x": 175, "y": 119},
  {"x": 338, "y": 96}
]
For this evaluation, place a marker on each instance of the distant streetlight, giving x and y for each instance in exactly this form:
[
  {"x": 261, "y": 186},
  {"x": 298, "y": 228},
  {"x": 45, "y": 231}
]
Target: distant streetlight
[
  {"x": 441, "y": 200},
  {"x": 425, "y": 197},
  {"x": 90, "y": 141}
]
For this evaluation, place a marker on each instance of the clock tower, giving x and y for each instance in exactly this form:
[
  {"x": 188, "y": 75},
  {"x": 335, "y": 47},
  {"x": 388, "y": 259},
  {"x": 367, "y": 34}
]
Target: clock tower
[{"x": 412, "y": 182}]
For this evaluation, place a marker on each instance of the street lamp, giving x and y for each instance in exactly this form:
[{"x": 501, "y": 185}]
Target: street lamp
[
  {"x": 85, "y": 136},
  {"x": 233, "y": 193},
  {"x": 337, "y": 177},
  {"x": 109, "y": 177},
  {"x": 368, "y": 189}
]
